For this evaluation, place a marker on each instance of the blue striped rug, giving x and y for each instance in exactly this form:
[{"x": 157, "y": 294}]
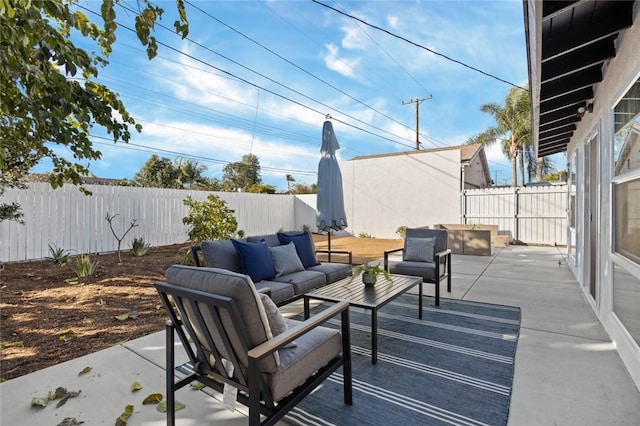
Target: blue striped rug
[{"x": 455, "y": 367}]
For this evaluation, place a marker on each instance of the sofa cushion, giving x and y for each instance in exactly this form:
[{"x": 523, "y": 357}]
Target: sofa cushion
[
  {"x": 333, "y": 271},
  {"x": 303, "y": 281},
  {"x": 255, "y": 259},
  {"x": 221, "y": 254},
  {"x": 419, "y": 249},
  {"x": 271, "y": 239},
  {"x": 304, "y": 246},
  {"x": 285, "y": 259},
  {"x": 279, "y": 292},
  {"x": 240, "y": 288}
]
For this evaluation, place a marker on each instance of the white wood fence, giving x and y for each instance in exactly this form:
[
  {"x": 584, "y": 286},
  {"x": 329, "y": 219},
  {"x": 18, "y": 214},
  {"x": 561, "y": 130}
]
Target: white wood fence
[
  {"x": 532, "y": 214},
  {"x": 73, "y": 221}
]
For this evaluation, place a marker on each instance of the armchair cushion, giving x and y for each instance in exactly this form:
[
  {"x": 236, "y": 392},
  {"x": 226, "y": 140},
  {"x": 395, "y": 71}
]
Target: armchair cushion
[
  {"x": 419, "y": 249},
  {"x": 304, "y": 247},
  {"x": 255, "y": 259},
  {"x": 285, "y": 259}
]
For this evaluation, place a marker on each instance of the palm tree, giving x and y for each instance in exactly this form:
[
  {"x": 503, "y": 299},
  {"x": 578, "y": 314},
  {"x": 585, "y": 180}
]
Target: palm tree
[
  {"x": 289, "y": 180},
  {"x": 512, "y": 129}
]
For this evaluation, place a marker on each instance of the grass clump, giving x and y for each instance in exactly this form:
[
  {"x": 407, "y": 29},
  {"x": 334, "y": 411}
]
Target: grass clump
[
  {"x": 84, "y": 266},
  {"x": 139, "y": 247},
  {"x": 59, "y": 256}
]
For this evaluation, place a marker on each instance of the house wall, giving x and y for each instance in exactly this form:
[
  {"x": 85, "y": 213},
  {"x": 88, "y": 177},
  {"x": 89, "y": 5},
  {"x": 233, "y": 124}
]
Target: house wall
[
  {"x": 384, "y": 193},
  {"x": 474, "y": 175},
  {"x": 621, "y": 72}
]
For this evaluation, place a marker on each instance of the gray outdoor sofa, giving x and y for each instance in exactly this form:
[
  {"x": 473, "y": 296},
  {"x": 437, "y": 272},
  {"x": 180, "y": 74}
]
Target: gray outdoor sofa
[{"x": 282, "y": 288}]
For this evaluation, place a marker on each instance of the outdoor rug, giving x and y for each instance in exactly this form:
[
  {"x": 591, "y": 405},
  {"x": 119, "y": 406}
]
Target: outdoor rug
[{"x": 454, "y": 367}]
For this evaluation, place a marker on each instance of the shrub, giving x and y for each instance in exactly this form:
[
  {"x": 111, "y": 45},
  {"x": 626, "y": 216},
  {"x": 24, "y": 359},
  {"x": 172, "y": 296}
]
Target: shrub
[
  {"x": 84, "y": 266},
  {"x": 139, "y": 247},
  {"x": 402, "y": 231},
  {"x": 209, "y": 220},
  {"x": 185, "y": 257},
  {"x": 364, "y": 235},
  {"x": 59, "y": 256}
]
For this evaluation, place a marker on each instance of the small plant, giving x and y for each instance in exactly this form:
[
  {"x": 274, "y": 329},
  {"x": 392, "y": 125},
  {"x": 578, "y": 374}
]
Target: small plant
[
  {"x": 59, "y": 256},
  {"x": 184, "y": 257},
  {"x": 305, "y": 227},
  {"x": 474, "y": 226},
  {"x": 371, "y": 270},
  {"x": 364, "y": 235},
  {"x": 139, "y": 247},
  {"x": 133, "y": 224},
  {"x": 240, "y": 233},
  {"x": 84, "y": 266},
  {"x": 402, "y": 231}
]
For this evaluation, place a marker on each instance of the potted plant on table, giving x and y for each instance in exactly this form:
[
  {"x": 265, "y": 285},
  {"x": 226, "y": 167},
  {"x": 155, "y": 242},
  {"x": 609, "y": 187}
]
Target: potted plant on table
[{"x": 369, "y": 273}]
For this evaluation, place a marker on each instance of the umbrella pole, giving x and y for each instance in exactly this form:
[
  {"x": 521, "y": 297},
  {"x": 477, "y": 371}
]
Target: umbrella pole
[{"x": 329, "y": 245}]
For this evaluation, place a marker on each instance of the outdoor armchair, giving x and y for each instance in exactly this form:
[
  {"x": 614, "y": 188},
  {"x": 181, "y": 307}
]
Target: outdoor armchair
[
  {"x": 425, "y": 254},
  {"x": 227, "y": 330}
]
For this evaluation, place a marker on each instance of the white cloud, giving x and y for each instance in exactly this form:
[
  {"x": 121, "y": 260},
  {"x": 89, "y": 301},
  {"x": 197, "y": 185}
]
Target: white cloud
[{"x": 343, "y": 66}]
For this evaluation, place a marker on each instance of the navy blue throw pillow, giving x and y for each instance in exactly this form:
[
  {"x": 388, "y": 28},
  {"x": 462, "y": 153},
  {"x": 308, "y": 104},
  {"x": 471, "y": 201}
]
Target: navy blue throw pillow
[
  {"x": 255, "y": 259},
  {"x": 304, "y": 247}
]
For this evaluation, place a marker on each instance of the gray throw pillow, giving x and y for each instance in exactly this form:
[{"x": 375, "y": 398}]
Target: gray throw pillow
[
  {"x": 419, "y": 249},
  {"x": 285, "y": 259},
  {"x": 276, "y": 320}
]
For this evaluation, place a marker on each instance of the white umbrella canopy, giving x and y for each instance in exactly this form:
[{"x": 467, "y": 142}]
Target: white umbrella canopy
[{"x": 330, "y": 201}]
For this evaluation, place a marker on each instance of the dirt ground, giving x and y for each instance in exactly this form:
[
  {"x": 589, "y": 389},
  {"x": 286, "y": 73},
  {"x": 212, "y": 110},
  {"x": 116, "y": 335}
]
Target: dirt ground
[{"x": 48, "y": 317}]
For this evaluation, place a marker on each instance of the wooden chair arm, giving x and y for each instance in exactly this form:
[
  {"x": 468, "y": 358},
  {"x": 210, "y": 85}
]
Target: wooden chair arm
[
  {"x": 291, "y": 334},
  {"x": 386, "y": 256}
]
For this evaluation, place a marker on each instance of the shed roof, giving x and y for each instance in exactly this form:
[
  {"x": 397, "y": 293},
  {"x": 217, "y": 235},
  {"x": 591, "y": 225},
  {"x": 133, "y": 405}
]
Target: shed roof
[{"x": 467, "y": 152}]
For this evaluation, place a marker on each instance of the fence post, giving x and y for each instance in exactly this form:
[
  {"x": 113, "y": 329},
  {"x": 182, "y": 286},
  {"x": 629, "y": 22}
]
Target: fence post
[{"x": 516, "y": 212}]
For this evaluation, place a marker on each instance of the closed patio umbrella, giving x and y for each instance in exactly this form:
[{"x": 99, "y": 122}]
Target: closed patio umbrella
[{"x": 330, "y": 201}]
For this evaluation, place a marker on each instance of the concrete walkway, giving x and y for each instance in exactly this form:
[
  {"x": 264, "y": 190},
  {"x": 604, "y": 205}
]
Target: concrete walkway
[{"x": 567, "y": 370}]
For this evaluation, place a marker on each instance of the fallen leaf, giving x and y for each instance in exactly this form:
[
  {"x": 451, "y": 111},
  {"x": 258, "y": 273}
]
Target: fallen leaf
[
  {"x": 198, "y": 386},
  {"x": 69, "y": 421},
  {"x": 87, "y": 321},
  {"x": 154, "y": 398},
  {"x": 39, "y": 402},
  {"x": 136, "y": 386},
  {"x": 65, "y": 338},
  {"x": 162, "y": 406},
  {"x": 85, "y": 371},
  {"x": 12, "y": 345},
  {"x": 128, "y": 411}
]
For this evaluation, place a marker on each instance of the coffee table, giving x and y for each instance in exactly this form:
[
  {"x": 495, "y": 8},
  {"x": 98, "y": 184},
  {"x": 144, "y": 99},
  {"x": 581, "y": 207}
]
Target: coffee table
[{"x": 372, "y": 298}]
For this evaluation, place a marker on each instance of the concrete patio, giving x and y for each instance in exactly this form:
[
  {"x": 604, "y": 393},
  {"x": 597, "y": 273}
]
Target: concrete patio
[{"x": 567, "y": 370}]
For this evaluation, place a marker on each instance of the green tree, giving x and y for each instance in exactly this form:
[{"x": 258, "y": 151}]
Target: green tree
[
  {"x": 261, "y": 188},
  {"x": 209, "y": 220},
  {"x": 242, "y": 174},
  {"x": 158, "y": 172},
  {"x": 512, "y": 129},
  {"x": 191, "y": 172},
  {"x": 304, "y": 188},
  {"x": 49, "y": 93}
]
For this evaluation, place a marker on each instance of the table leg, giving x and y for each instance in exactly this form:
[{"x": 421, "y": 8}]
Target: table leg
[
  {"x": 306, "y": 307},
  {"x": 420, "y": 301},
  {"x": 374, "y": 336}
]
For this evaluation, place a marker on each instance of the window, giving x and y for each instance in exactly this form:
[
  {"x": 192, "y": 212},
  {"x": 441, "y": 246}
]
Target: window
[{"x": 626, "y": 208}]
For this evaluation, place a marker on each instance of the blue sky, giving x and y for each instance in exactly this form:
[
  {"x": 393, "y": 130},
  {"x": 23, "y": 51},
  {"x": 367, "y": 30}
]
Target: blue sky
[{"x": 260, "y": 76}]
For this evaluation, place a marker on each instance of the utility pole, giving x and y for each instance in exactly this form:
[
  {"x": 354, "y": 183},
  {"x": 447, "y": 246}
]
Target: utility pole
[{"x": 417, "y": 102}]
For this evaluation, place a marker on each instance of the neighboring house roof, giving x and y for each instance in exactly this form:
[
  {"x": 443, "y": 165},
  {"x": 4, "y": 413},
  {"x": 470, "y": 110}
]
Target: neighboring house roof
[{"x": 467, "y": 154}]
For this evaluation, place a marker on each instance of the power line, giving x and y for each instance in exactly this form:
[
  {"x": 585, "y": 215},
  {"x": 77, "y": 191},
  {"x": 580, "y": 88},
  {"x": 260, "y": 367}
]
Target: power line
[{"x": 420, "y": 46}]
